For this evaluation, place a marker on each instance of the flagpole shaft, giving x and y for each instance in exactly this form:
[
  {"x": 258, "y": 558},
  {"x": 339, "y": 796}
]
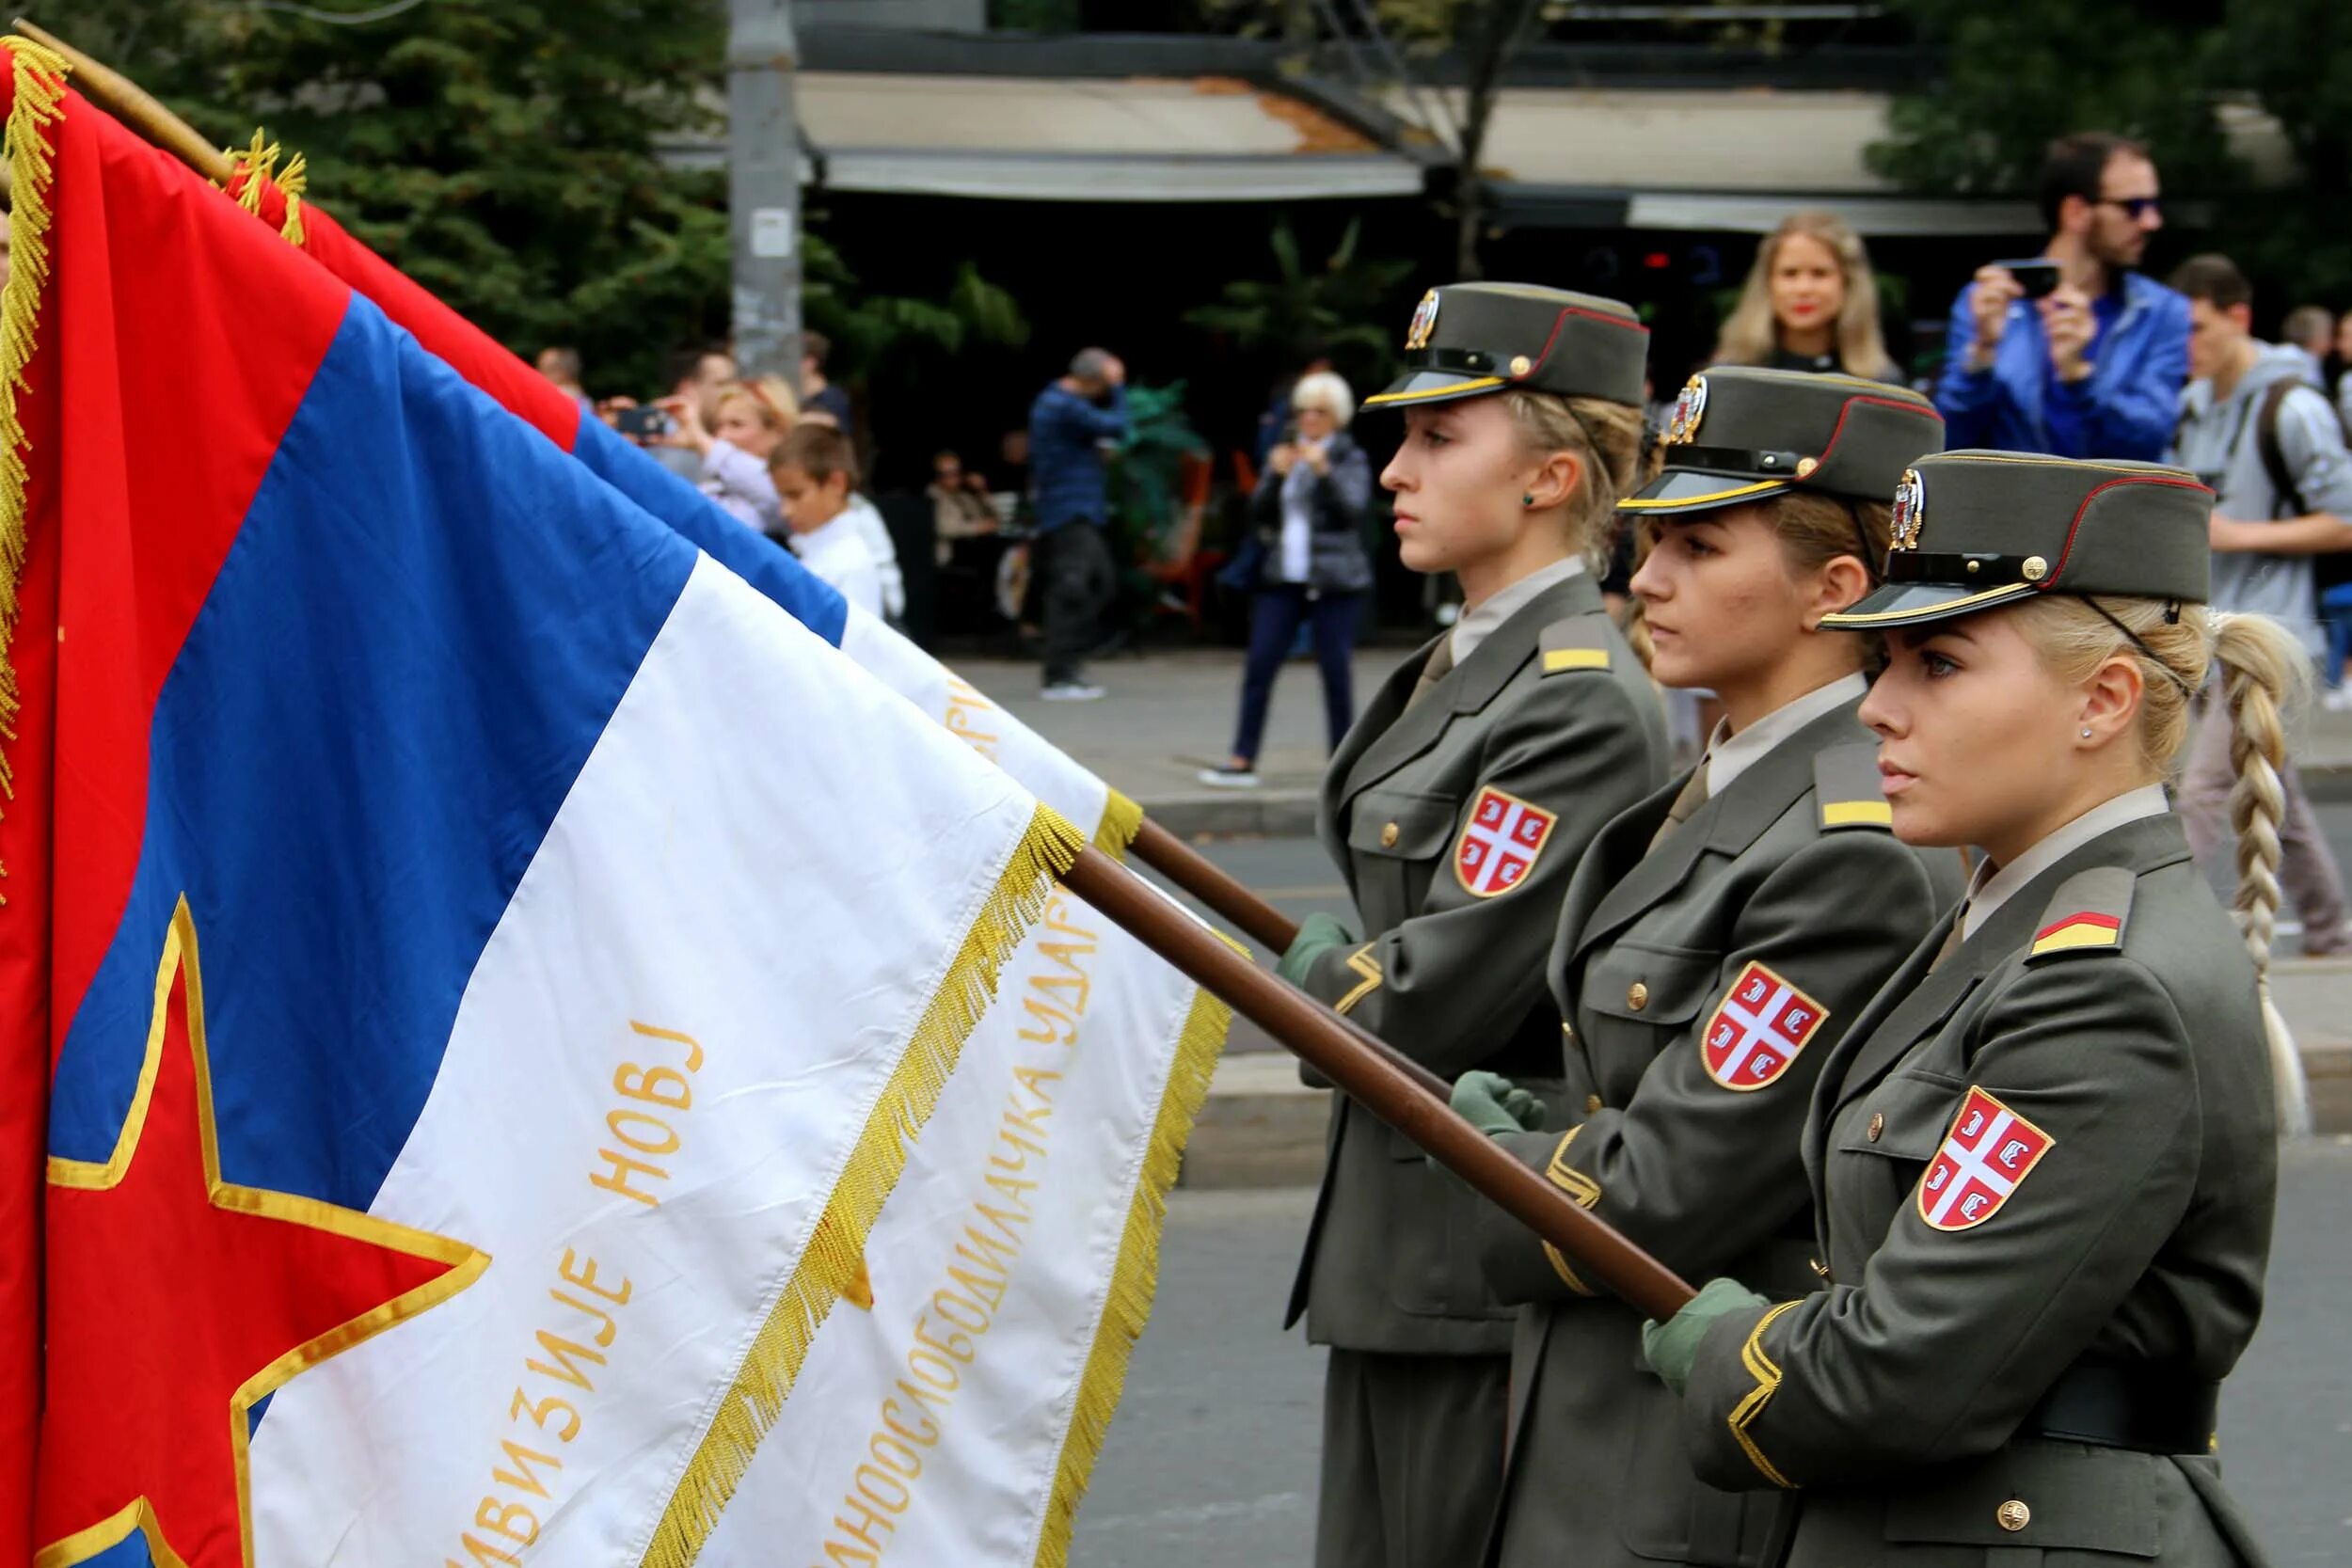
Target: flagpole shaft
[
  {"x": 1379, "y": 1083},
  {"x": 1258, "y": 919},
  {"x": 130, "y": 104},
  {"x": 1216, "y": 888}
]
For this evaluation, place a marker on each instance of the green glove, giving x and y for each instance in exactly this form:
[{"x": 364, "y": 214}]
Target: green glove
[
  {"x": 1317, "y": 935},
  {"x": 1671, "y": 1347},
  {"x": 1495, "y": 1105}
]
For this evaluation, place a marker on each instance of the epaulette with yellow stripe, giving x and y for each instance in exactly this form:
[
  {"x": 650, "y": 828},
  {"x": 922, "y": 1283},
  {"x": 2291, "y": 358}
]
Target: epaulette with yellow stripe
[
  {"x": 1578, "y": 642},
  {"x": 2087, "y": 914},
  {"x": 1847, "y": 788}
]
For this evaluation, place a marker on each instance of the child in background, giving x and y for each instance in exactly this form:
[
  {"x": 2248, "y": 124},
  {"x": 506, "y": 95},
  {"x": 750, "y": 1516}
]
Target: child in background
[{"x": 815, "y": 474}]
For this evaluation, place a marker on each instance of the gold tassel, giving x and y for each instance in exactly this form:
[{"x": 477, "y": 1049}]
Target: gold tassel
[
  {"x": 1122, "y": 820},
  {"x": 1135, "y": 1278},
  {"x": 39, "y": 77},
  {"x": 836, "y": 1248},
  {"x": 255, "y": 164},
  {"x": 291, "y": 185}
]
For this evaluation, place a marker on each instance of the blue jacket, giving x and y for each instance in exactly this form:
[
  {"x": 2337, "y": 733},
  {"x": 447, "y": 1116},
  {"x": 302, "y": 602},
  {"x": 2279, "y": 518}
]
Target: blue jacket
[
  {"x": 1066, "y": 473},
  {"x": 2125, "y": 409}
]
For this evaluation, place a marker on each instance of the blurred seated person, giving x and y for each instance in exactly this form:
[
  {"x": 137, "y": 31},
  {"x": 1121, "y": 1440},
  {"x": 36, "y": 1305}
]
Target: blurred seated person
[
  {"x": 815, "y": 474},
  {"x": 960, "y": 505},
  {"x": 748, "y": 421}
]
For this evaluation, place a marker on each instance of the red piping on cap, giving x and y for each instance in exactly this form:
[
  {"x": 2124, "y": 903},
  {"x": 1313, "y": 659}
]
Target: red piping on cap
[
  {"x": 1839, "y": 428},
  {"x": 2075, "y": 527},
  {"x": 1558, "y": 321}
]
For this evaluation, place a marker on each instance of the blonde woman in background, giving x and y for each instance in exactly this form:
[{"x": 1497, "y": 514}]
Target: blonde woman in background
[{"x": 1810, "y": 304}]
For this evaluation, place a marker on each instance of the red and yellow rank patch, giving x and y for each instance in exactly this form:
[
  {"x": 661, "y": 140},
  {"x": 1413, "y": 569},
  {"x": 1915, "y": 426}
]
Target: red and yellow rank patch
[{"x": 2083, "y": 929}]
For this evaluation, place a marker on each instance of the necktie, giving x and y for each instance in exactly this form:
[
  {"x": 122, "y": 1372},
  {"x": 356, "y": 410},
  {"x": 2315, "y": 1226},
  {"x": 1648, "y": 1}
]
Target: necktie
[
  {"x": 1688, "y": 799},
  {"x": 1440, "y": 660},
  {"x": 1952, "y": 939}
]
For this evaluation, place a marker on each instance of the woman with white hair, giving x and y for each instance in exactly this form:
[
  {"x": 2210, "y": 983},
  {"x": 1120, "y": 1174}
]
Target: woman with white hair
[
  {"x": 1810, "y": 304},
  {"x": 1309, "y": 512}
]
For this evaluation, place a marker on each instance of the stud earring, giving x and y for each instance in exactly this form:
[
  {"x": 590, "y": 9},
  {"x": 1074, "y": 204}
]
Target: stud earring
[
  {"x": 1528, "y": 500},
  {"x": 2086, "y": 733}
]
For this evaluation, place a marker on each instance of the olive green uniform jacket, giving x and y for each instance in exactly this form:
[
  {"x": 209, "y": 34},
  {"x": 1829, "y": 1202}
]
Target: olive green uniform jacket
[
  {"x": 1552, "y": 710},
  {"x": 1705, "y": 982},
  {"x": 2108, "y": 1010}
]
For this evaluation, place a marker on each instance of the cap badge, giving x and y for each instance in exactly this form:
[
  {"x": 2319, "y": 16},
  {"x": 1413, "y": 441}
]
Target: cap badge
[
  {"x": 1910, "y": 507},
  {"x": 1690, "y": 407},
  {"x": 1425, "y": 322}
]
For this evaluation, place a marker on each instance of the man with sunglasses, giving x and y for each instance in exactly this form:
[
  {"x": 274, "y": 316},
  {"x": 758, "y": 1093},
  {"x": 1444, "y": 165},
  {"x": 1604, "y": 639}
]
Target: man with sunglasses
[{"x": 2093, "y": 367}]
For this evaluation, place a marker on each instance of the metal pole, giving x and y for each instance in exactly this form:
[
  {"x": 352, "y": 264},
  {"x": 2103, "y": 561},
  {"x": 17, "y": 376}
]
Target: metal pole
[{"x": 764, "y": 187}]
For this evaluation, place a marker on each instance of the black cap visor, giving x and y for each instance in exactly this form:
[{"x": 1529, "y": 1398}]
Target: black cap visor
[
  {"x": 1426, "y": 387},
  {"x": 1916, "y": 604},
  {"x": 1680, "y": 490}
]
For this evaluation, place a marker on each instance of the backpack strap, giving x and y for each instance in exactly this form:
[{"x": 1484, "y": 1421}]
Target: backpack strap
[{"x": 2274, "y": 457}]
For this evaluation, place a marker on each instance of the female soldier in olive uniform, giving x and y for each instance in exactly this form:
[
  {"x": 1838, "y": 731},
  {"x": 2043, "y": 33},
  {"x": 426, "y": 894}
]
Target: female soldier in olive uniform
[
  {"x": 1715, "y": 942},
  {"x": 1457, "y": 808},
  {"x": 2043, "y": 1161}
]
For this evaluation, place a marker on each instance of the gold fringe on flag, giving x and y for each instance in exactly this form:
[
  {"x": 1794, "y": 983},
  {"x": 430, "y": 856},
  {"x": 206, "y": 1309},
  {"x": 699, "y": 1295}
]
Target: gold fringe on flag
[
  {"x": 39, "y": 77},
  {"x": 1122, "y": 820},
  {"x": 837, "y": 1246},
  {"x": 292, "y": 184},
  {"x": 257, "y": 164},
  {"x": 1135, "y": 1278}
]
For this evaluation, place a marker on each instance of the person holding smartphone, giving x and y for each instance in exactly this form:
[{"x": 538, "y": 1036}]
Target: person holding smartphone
[{"x": 2073, "y": 353}]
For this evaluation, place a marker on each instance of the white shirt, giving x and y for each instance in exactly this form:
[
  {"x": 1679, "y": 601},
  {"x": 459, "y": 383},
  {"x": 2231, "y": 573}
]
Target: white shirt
[
  {"x": 875, "y": 535},
  {"x": 1989, "y": 889},
  {"x": 1478, "y": 624},
  {"x": 1731, "y": 756},
  {"x": 835, "y": 553}
]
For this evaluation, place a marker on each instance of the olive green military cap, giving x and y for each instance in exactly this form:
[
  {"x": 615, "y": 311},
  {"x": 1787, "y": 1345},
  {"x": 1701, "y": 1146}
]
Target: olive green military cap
[
  {"x": 1740, "y": 435},
  {"x": 1468, "y": 339},
  {"x": 1978, "y": 530}
]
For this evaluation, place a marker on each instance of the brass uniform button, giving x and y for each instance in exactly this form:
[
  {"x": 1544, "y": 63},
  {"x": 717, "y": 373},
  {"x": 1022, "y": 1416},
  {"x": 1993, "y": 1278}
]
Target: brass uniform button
[
  {"x": 1388, "y": 836},
  {"x": 1877, "y": 1125},
  {"x": 1637, "y": 996},
  {"x": 1592, "y": 1104},
  {"x": 1818, "y": 1267},
  {"x": 1568, "y": 1029},
  {"x": 2035, "y": 568},
  {"x": 2013, "y": 1515}
]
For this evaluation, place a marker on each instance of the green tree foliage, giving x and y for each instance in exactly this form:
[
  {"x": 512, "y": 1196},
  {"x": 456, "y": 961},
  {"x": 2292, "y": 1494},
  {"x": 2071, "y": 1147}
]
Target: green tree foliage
[
  {"x": 2168, "y": 71},
  {"x": 1341, "y": 304},
  {"x": 504, "y": 155}
]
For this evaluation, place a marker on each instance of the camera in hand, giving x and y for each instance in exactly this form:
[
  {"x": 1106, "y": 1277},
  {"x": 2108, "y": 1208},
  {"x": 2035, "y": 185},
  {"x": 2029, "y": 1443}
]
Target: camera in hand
[
  {"x": 643, "y": 422},
  {"x": 2036, "y": 277}
]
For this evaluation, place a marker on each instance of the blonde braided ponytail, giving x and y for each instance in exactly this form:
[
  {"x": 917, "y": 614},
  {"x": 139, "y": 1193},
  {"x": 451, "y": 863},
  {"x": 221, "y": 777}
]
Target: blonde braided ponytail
[
  {"x": 2263, "y": 668},
  {"x": 2260, "y": 668}
]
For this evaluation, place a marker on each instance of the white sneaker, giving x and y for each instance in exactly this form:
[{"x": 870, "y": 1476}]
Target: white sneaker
[
  {"x": 1071, "y": 692},
  {"x": 2337, "y": 699},
  {"x": 1229, "y": 777}
]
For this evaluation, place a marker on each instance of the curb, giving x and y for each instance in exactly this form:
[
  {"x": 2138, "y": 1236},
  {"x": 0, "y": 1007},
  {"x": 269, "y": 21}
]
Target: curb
[
  {"x": 2330, "y": 782},
  {"x": 1267, "y": 813},
  {"x": 1260, "y": 1127}
]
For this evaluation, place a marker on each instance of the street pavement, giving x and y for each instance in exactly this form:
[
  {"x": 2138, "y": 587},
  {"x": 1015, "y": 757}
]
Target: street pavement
[{"x": 1212, "y": 1460}]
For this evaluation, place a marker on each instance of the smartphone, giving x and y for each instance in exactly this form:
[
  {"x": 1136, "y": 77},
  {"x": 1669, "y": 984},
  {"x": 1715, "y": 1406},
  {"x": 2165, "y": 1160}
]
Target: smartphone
[
  {"x": 643, "y": 422},
  {"x": 2035, "y": 275}
]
